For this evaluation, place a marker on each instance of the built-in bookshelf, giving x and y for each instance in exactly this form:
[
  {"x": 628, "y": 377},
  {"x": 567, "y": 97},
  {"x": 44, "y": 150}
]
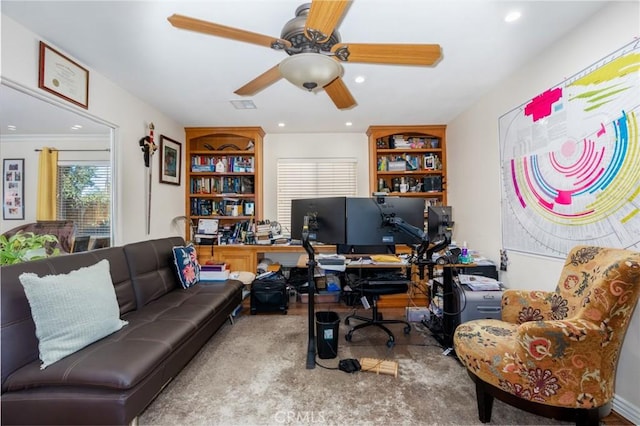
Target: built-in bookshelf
[
  {"x": 409, "y": 161},
  {"x": 224, "y": 175}
]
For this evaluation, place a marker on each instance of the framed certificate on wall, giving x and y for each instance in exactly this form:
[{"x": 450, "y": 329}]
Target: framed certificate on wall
[{"x": 63, "y": 77}]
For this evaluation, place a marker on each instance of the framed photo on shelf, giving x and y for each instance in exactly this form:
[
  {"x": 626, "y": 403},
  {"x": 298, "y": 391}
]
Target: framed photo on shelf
[
  {"x": 13, "y": 189},
  {"x": 429, "y": 162},
  {"x": 63, "y": 77},
  {"x": 170, "y": 160}
]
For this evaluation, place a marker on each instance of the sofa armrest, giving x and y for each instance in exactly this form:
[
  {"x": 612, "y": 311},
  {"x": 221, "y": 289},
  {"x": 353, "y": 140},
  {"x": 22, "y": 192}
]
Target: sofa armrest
[
  {"x": 544, "y": 339},
  {"x": 519, "y": 306}
]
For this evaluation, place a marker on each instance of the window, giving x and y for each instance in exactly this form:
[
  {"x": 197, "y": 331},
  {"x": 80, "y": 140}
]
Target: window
[
  {"x": 313, "y": 178},
  {"x": 84, "y": 196}
]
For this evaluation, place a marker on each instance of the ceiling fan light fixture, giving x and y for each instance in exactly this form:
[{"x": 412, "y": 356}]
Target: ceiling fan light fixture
[{"x": 310, "y": 71}]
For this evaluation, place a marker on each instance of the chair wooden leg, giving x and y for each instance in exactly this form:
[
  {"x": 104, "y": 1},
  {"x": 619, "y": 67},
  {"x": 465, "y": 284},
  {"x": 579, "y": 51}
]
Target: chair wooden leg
[{"x": 485, "y": 402}]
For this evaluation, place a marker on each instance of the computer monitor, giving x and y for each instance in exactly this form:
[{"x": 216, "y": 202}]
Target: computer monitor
[
  {"x": 439, "y": 222},
  {"x": 329, "y": 213},
  {"x": 366, "y": 225}
]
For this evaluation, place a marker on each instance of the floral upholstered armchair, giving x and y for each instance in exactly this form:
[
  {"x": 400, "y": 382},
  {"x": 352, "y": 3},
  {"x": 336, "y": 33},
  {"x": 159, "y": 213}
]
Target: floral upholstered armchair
[{"x": 555, "y": 353}]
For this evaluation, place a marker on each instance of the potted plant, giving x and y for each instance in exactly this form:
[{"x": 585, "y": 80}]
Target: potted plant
[{"x": 24, "y": 246}]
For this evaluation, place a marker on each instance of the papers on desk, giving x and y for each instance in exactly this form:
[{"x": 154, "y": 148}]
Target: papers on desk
[
  {"x": 481, "y": 261},
  {"x": 381, "y": 259},
  {"x": 479, "y": 283},
  {"x": 374, "y": 260}
]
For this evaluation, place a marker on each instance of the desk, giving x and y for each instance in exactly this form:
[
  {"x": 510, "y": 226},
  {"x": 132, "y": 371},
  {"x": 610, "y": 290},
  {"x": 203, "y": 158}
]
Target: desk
[
  {"x": 241, "y": 257},
  {"x": 303, "y": 259},
  {"x": 417, "y": 291}
]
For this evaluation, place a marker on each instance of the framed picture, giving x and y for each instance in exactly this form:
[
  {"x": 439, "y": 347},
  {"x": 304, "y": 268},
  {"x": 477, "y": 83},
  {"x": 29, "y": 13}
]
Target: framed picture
[
  {"x": 13, "y": 189},
  {"x": 63, "y": 77},
  {"x": 170, "y": 160},
  {"x": 429, "y": 162}
]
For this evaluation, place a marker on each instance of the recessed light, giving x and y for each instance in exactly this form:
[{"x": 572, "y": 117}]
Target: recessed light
[
  {"x": 348, "y": 123},
  {"x": 512, "y": 16},
  {"x": 359, "y": 79},
  {"x": 76, "y": 127},
  {"x": 244, "y": 104},
  {"x": 12, "y": 127},
  {"x": 281, "y": 124}
]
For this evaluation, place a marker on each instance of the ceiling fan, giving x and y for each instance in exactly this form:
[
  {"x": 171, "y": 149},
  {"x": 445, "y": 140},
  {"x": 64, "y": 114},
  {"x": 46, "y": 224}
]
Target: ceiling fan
[{"x": 315, "y": 50}]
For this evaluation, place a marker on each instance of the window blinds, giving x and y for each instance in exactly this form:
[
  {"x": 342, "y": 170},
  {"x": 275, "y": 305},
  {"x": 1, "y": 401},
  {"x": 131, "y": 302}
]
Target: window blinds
[
  {"x": 84, "y": 196},
  {"x": 312, "y": 178}
]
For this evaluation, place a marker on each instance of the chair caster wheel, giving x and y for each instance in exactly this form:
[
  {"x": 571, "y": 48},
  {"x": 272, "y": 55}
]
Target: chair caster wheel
[
  {"x": 407, "y": 329},
  {"x": 391, "y": 343},
  {"x": 348, "y": 336}
]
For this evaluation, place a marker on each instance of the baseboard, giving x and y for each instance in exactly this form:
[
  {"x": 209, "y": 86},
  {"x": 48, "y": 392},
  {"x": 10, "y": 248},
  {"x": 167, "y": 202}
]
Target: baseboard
[{"x": 626, "y": 410}]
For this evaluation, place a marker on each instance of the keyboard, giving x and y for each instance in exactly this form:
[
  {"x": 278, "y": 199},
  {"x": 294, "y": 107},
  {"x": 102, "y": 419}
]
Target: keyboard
[
  {"x": 330, "y": 261},
  {"x": 389, "y": 278},
  {"x": 388, "y": 282}
]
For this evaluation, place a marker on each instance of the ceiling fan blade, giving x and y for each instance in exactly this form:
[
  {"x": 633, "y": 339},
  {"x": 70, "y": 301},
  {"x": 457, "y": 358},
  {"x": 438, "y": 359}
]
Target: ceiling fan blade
[
  {"x": 206, "y": 27},
  {"x": 324, "y": 16},
  {"x": 339, "y": 94},
  {"x": 401, "y": 54},
  {"x": 260, "y": 82}
]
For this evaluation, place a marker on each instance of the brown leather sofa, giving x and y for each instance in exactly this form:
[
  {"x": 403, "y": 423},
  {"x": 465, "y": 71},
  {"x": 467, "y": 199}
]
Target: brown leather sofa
[{"x": 112, "y": 380}]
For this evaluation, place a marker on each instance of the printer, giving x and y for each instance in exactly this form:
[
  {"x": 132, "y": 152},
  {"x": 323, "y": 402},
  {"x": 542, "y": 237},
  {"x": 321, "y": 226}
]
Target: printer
[{"x": 468, "y": 304}]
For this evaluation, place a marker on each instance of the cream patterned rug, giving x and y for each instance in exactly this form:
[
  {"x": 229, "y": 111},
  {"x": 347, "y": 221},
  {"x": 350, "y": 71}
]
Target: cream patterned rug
[{"x": 254, "y": 373}]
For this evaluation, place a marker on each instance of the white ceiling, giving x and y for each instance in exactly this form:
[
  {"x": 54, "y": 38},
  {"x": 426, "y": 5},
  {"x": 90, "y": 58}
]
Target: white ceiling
[
  {"x": 191, "y": 77},
  {"x": 33, "y": 116}
]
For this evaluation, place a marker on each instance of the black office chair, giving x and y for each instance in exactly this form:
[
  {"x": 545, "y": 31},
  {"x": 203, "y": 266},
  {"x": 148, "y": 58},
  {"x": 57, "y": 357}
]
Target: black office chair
[{"x": 373, "y": 293}]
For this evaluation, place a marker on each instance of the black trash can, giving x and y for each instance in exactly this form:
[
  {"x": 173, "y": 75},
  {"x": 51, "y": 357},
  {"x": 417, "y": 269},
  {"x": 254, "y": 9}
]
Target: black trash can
[{"x": 327, "y": 324}]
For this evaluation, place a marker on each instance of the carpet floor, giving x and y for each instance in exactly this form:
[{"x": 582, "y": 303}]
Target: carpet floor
[{"x": 254, "y": 373}]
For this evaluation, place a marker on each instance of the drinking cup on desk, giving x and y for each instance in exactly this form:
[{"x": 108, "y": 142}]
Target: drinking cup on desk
[{"x": 404, "y": 187}]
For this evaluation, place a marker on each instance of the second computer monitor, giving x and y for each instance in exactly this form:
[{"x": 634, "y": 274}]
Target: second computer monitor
[
  {"x": 366, "y": 225},
  {"x": 329, "y": 214},
  {"x": 439, "y": 221}
]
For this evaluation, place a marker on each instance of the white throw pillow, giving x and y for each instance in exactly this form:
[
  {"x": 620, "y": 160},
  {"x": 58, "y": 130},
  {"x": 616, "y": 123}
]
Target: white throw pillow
[{"x": 72, "y": 310}]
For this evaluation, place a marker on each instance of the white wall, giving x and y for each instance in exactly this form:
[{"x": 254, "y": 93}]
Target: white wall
[
  {"x": 312, "y": 145},
  {"x": 474, "y": 167},
  {"x": 130, "y": 116}
]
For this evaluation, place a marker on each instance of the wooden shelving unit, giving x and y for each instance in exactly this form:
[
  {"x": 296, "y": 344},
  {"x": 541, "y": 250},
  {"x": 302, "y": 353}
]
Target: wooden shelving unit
[
  {"x": 413, "y": 155},
  {"x": 230, "y": 192}
]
